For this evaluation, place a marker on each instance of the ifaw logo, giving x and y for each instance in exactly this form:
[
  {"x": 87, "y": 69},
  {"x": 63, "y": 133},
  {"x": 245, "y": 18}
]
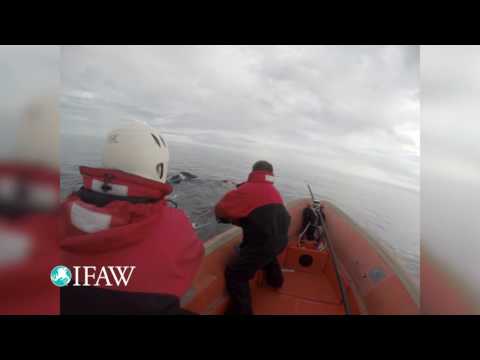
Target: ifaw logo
[{"x": 91, "y": 276}]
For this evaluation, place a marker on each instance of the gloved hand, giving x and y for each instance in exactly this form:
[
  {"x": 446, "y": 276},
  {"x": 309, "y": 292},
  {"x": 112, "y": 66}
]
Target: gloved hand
[{"x": 223, "y": 221}]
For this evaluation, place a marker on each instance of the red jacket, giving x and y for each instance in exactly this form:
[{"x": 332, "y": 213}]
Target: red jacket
[
  {"x": 256, "y": 192},
  {"x": 258, "y": 208},
  {"x": 157, "y": 239},
  {"x": 29, "y": 241}
]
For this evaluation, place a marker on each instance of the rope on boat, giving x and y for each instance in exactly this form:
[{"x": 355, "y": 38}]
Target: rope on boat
[
  {"x": 299, "y": 240},
  {"x": 343, "y": 291}
]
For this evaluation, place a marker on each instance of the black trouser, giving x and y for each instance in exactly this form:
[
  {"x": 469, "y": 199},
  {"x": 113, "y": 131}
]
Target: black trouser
[{"x": 241, "y": 270}]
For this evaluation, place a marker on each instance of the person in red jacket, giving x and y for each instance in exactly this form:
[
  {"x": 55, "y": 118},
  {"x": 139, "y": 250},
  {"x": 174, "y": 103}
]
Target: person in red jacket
[
  {"x": 120, "y": 218},
  {"x": 29, "y": 221},
  {"x": 258, "y": 208}
]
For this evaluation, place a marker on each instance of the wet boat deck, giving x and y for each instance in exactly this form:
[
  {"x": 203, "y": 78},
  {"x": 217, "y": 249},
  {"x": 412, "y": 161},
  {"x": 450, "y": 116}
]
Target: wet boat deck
[
  {"x": 302, "y": 294},
  {"x": 306, "y": 290}
]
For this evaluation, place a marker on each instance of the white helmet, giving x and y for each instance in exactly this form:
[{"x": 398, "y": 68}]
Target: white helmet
[
  {"x": 137, "y": 149},
  {"x": 38, "y": 133}
]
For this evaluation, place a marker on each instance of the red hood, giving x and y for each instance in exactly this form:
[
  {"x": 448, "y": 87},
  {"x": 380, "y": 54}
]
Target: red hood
[
  {"x": 92, "y": 229},
  {"x": 122, "y": 183},
  {"x": 260, "y": 176},
  {"x": 96, "y": 229}
]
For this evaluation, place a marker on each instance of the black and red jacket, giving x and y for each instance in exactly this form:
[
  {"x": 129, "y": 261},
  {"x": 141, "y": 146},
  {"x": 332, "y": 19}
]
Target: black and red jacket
[
  {"x": 258, "y": 208},
  {"x": 124, "y": 220}
]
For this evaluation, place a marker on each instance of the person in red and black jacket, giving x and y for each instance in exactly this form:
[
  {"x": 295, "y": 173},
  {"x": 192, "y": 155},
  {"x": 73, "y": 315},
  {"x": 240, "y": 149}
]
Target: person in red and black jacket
[
  {"x": 257, "y": 207},
  {"x": 120, "y": 217}
]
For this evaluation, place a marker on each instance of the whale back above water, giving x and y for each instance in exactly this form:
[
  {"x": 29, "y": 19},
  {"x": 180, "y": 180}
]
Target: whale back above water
[{"x": 181, "y": 176}]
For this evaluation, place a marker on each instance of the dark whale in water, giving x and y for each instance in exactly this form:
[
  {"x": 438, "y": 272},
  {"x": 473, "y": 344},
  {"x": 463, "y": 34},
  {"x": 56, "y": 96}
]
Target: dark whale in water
[{"x": 181, "y": 176}]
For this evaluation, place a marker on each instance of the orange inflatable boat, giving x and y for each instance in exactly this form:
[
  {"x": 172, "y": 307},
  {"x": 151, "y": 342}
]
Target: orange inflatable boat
[{"x": 351, "y": 276}]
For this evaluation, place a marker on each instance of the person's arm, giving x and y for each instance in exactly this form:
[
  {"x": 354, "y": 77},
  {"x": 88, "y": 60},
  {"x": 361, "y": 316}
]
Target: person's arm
[{"x": 232, "y": 207}]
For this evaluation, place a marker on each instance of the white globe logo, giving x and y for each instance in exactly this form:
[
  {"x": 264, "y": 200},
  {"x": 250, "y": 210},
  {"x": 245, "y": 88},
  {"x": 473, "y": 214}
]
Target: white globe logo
[{"x": 60, "y": 275}]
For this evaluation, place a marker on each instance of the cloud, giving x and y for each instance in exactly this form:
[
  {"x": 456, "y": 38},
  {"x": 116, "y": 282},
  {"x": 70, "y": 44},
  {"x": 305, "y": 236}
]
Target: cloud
[{"x": 355, "y": 105}]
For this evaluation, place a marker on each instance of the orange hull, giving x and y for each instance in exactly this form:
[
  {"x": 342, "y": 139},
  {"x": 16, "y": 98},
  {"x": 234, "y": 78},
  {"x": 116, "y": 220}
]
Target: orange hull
[{"x": 374, "y": 284}]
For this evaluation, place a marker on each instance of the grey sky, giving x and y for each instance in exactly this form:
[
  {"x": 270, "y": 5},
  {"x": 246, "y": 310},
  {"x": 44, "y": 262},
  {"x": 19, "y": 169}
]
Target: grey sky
[{"x": 350, "y": 108}]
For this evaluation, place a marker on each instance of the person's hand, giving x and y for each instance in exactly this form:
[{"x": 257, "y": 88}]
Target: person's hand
[{"x": 223, "y": 221}]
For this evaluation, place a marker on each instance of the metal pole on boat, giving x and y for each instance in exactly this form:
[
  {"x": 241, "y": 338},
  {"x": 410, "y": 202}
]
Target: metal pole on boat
[{"x": 343, "y": 291}]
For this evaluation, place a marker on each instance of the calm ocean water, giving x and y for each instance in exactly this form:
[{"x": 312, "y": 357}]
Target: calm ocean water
[{"x": 389, "y": 214}]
